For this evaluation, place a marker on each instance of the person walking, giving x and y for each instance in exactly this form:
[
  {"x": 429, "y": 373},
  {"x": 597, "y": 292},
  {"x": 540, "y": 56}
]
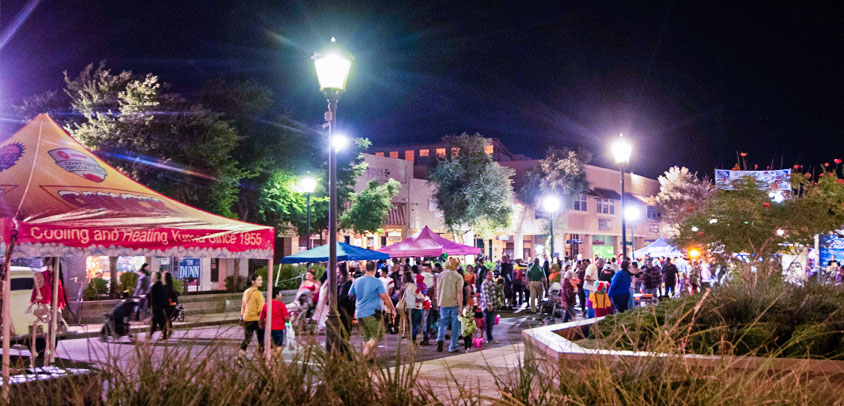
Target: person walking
[
  {"x": 536, "y": 276},
  {"x": 431, "y": 315},
  {"x": 141, "y": 291},
  {"x": 694, "y": 277},
  {"x": 518, "y": 287},
  {"x": 669, "y": 276},
  {"x": 619, "y": 291},
  {"x": 370, "y": 299},
  {"x": 579, "y": 276},
  {"x": 345, "y": 304},
  {"x": 506, "y": 272},
  {"x": 450, "y": 300},
  {"x": 590, "y": 284},
  {"x": 250, "y": 308},
  {"x": 158, "y": 300},
  {"x": 652, "y": 278},
  {"x": 412, "y": 304},
  {"x": 490, "y": 302},
  {"x": 172, "y": 300},
  {"x": 279, "y": 318}
]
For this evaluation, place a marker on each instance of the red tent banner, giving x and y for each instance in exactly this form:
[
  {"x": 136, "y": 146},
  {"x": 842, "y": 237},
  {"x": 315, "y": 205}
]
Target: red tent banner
[
  {"x": 62, "y": 200},
  {"x": 427, "y": 243}
]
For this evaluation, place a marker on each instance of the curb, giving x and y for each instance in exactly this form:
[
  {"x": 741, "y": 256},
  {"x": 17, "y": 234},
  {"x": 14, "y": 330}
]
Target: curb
[{"x": 142, "y": 328}]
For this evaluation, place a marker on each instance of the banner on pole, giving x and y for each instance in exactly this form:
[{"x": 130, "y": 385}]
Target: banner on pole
[{"x": 779, "y": 179}]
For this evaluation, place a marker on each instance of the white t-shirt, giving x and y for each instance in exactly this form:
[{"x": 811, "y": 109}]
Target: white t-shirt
[
  {"x": 387, "y": 282},
  {"x": 591, "y": 272},
  {"x": 410, "y": 297},
  {"x": 429, "y": 279}
]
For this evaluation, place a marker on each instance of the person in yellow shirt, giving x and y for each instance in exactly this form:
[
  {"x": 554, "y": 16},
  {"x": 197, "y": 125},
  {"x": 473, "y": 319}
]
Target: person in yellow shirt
[
  {"x": 250, "y": 308},
  {"x": 600, "y": 300}
]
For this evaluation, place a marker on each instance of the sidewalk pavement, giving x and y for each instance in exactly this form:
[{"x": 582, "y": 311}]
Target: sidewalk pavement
[
  {"x": 474, "y": 371},
  {"x": 195, "y": 320}
]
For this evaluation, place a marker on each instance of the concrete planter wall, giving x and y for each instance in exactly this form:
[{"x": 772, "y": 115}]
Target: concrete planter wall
[
  {"x": 92, "y": 311},
  {"x": 549, "y": 345}
]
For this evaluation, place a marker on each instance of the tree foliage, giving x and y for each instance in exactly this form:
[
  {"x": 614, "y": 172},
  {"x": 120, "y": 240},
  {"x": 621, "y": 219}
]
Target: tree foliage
[
  {"x": 745, "y": 228},
  {"x": 137, "y": 125},
  {"x": 370, "y": 207},
  {"x": 473, "y": 191},
  {"x": 681, "y": 195}
]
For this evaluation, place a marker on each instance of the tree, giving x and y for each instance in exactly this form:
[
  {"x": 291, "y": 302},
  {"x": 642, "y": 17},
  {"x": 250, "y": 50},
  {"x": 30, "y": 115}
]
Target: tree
[
  {"x": 473, "y": 191},
  {"x": 743, "y": 228},
  {"x": 137, "y": 125},
  {"x": 561, "y": 172},
  {"x": 370, "y": 207},
  {"x": 681, "y": 195}
]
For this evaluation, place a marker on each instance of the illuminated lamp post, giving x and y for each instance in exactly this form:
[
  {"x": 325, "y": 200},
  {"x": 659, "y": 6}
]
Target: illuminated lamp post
[
  {"x": 621, "y": 150},
  {"x": 332, "y": 69},
  {"x": 551, "y": 205}
]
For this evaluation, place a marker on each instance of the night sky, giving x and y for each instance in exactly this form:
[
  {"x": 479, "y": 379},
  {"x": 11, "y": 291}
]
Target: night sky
[{"x": 689, "y": 83}]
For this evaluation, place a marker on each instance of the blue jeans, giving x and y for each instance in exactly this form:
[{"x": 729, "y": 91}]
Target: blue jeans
[
  {"x": 449, "y": 315},
  {"x": 278, "y": 337},
  {"x": 415, "y": 317},
  {"x": 431, "y": 316},
  {"x": 489, "y": 322},
  {"x": 590, "y": 312}
]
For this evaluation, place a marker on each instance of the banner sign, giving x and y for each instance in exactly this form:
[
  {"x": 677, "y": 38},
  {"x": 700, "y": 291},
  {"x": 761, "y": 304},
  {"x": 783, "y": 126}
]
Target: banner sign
[
  {"x": 831, "y": 248},
  {"x": 779, "y": 179},
  {"x": 150, "y": 239},
  {"x": 189, "y": 268}
]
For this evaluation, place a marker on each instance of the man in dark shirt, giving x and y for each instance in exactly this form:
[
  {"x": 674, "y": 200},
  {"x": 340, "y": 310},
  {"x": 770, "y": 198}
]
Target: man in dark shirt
[{"x": 669, "y": 276}]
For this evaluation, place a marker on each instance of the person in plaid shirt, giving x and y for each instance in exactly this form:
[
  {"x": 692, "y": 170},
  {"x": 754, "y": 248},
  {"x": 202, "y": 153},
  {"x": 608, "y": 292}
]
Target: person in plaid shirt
[{"x": 490, "y": 301}]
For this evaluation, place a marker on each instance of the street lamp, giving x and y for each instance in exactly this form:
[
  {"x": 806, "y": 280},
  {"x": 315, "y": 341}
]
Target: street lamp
[
  {"x": 332, "y": 69},
  {"x": 632, "y": 214},
  {"x": 551, "y": 204},
  {"x": 621, "y": 150},
  {"x": 307, "y": 186}
]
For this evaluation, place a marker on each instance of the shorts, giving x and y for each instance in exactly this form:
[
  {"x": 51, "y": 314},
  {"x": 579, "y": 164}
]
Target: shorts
[
  {"x": 278, "y": 337},
  {"x": 371, "y": 327}
]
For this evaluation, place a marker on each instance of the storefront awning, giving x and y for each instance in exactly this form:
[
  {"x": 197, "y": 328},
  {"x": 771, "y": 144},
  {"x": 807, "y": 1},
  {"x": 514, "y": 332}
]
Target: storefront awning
[
  {"x": 396, "y": 215},
  {"x": 605, "y": 194}
]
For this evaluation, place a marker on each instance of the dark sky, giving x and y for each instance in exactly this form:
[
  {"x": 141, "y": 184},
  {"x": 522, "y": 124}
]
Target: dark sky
[{"x": 690, "y": 83}]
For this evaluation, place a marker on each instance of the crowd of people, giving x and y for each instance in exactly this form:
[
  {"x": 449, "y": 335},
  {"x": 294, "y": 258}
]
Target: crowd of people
[{"x": 456, "y": 306}]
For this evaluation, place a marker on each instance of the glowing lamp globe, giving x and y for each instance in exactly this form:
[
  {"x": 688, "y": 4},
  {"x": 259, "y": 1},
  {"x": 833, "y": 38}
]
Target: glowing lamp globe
[
  {"x": 307, "y": 184},
  {"x": 621, "y": 150},
  {"x": 632, "y": 213},
  {"x": 551, "y": 204},
  {"x": 332, "y": 68}
]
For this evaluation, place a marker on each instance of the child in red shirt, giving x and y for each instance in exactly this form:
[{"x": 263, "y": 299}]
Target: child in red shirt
[{"x": 279, "y": 318}]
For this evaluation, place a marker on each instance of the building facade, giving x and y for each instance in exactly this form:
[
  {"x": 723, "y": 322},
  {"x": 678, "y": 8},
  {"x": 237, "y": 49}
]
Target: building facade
[{"x": 589, "y": 225}]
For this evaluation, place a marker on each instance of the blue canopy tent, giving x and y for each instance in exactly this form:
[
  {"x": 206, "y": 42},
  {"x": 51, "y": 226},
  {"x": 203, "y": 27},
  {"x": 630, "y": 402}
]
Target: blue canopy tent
[
  {"x": 659, "y": 248},
  {"x": 345, "y": 252}
]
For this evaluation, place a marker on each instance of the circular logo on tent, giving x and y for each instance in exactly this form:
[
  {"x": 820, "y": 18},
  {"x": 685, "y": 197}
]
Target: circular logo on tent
[
  {"x": 9, "y": 155},
  {"x": 78, "y": 163}
]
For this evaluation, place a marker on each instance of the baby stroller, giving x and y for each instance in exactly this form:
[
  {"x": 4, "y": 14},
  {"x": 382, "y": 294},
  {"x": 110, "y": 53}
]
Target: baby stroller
[
  {"x": 116, "y": 322},
  {"x": 178, "y": 313},
  {"x": 554, "y": 301},
  {"x": 301, "y": 309}
]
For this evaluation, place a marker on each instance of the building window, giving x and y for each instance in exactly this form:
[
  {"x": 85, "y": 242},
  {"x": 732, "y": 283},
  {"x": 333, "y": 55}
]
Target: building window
[
  {"x": 394, "y": 154},
  {"x": 215, "y": 270},
  {"x": 653, "y": 228},
  {"x": 605, "y": 206},
  {"x": 441, "y": 152},
  {"x": 578, "y": 203},
  {"x": 455, "y": 151},
  {"x": 408, "y": 155},
  {"x": 604, "y": 224},
  {"x": 489, "y": 149},
  {"x": 653, "y": 213},
  {"x": 379, "y": 154},
  {"x": 423, "y": 152}
]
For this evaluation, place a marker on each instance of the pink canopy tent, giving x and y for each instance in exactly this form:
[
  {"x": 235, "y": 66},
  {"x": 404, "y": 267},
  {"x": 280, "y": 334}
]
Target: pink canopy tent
[{"x": 427, "y": 243}]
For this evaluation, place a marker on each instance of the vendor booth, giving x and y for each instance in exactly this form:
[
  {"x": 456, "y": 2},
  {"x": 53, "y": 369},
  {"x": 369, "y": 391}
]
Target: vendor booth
[
  {"x": 658, "y": 249},
  {"x": 427, "y": 243},
  {"x": 345, "y": 252},
  {"x": 59, "y": 199}
]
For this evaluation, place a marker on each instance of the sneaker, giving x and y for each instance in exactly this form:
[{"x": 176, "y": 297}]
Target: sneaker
[
  {"x": 439, "y": 346},
  {"x": 424, "y": 342},
  {"x": 455, "y": 351}
]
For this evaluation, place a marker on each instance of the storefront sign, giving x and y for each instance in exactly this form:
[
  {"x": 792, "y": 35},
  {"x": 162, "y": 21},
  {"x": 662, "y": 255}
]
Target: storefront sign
[{"x": 831, "y": 247}]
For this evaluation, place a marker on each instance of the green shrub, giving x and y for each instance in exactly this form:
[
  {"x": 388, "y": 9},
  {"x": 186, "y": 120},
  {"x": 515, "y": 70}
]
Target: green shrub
[
  {"x": 241, "y": 285},
  {"x": 178, "y": 285},
  {"x": 127, "y": 282},
  {"x": 96, "y": 289},
  {"x": 813, "y": 340},
  {"x": 754, "y": 338}
]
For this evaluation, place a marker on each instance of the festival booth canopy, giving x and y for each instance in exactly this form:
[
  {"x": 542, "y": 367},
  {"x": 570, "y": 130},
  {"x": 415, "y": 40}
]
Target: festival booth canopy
[
  {"x": 427, "y": 243},
  {"x": 659, "y": 248},
  {"x": 59, "y": 199},
  {"x": 345, "y": 252}
]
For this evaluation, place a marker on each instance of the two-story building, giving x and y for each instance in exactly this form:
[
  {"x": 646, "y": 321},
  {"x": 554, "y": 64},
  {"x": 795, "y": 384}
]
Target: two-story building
[{"x": 590, "y": 224}]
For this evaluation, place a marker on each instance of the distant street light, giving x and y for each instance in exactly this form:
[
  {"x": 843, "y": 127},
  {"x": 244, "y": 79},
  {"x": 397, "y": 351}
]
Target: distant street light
[
  {"x": 332, "y": 69},
  {"x": 307, "y": 185},
  {"x": 551, "y": 205},
  {"x": 621, "y": 150},
  {"x": 632, "y": 214},
  {"x": 339, "y": 142}
]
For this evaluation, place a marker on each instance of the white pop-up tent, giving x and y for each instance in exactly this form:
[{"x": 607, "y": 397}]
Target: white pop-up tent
[{"x": 659, "y": 248}]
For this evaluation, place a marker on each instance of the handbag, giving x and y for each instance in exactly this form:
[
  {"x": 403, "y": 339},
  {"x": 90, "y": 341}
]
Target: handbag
[
  {"x": 478, "y": 342},
  {"x": 497, "y": 319}
]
